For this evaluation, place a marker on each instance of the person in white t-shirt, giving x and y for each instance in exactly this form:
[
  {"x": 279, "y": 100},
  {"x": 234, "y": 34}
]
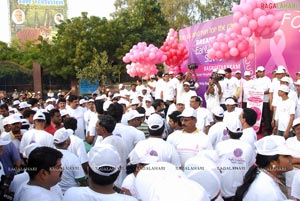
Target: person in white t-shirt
[
  {"x": 104, "y": 127},
  {"x": 73, "y": 174},
  {"x": 45, "y": 170},
  {"x": 186, "y": 95},
  {"x": 159, "y": 85},
  {"x": 297, "y": 87},
  {"x": 285, "y": 113},
  {"x": 37, "y": 134},
  {"x": 104, "y": 169},
  {"x": 218, "y": 132},
  {"x": 272, "y": 160},
  {"x": 236, "y": 157},
  {"x": 212, "y": 93},
  {"x": 78, "y": 113},
  {"x": 247, "y": 85},
  {"x": 233, "y": 112},
  {"x": 189, "y": 141},
  {"x": 248, "y": 119}
]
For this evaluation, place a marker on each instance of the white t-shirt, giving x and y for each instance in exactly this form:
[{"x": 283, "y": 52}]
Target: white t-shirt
[
  {"x": 92, "y": 125},
  {"x": 262, "y": 84},
  {"x": 217, "y": 133},
  {"x": 185, "y": 97},
  {"x": 229, "y": 88},
  {"x": 274, "y": 86},
  {"x": 159, "y": 88},
  {"x": 87, "y": 194},
  {"x": 249, "y": 136},
  {"x": 129, "y": 183},
  {"x": 164, "y": 150},
  {"x": 35, "y": 193},
  {"x": 283, "y": 112},
  {"x": 295, "y": 190},
  {"x": 77, "y": 147},
  {"x": 78, "y": 114},
  {"x": 72, "y": 170},
  {"x": 297, "y": 112},
  {"x": 129, "y": 134},
  {"x": 231, "y": 116},
  {"x": 203, "y": 118},
  {"x": 236, "y": 157},
  {"x": 87, "y": 117},
  {"x": 247, "y": 85},
  {"x": 168, "y": 90},
  {"x": 40, "y": 137},
  {"x": 189, "y": 144},
  {"x": 212, "y": 100},
  {"x": 271, "y": 190},
  {"x": 22, "y": 179}
]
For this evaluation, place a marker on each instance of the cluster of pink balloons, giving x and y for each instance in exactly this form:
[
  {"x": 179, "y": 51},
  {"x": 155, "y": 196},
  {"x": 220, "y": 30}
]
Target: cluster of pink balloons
[
  {"x": 143, "y": 59},
  {"x": 175, "y": 51},
  {"x": 256, "y": 17},
  {"x": 230, "y": 46}
]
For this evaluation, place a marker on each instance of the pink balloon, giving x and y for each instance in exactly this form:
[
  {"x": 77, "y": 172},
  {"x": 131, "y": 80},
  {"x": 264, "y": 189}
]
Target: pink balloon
[
  {"x": 262, "y": 21},
  {"x": 236, "y": 27},
  {"x": 243, "y": 46},
  {"x": 220, "y": 37},
  {"x": 246, "y": 8},
  {"x": 234, "y": 52},
  {"x": 246, "y": 32},
  {"x": 223, "y": 47},
  {"x": 219, "y": 54},
  {"x": 211, "y": 53},
  {"x": 275, "y": 26},
  {"x": 243, "y": 21},
  {"x": 271, "y": 19},
  {"x": 216, "y": 45},
  {"x": 279, "y": 15},
  {"x": 236, "y": 16},
  {"x": 257, "y": 12},
  {"x": 231, "y": 44},
  {"x": 251, "y": 56},
  {"x": 252, "y": 24},
  {"x": 266, "y": 32}
]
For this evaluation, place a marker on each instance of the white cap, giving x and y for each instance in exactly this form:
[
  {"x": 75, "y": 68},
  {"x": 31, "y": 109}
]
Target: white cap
[
  {"x": 260, "y": 68},
  {"x": 273, "y": 145},
  {"x": 188, "y": 112},
  {"x": 49, "y": 107},
  {"x": 281, "y": 67},
  {"x": 63, "y": 112},
  {"x": 186, "y": 83},
  {"x": 120, "y": 86},
  {"x": 15, "y": 118},
  {"x": 48, "y": 100},
  {"x": 221, "y": 71},
  {"x": 5, "y": 121},
  {"x": 61, "y": 135},
  {"x": 106, "y": 104},
  {"x": 133, "y": 114},
  {"x": 247, "y": 73},
  {"x": 39, "y": 116},
  {"x": 218, "y": 111},
  {"x": 297, "y": 82},
  {"x": 135, "y": 101},
  {"x": 205, "y": 172},
  {"x": 215, "y": 70},
  {"x": 284, "y": 88},
  {"x": 279, "y": 71},
  {"x": 16, "y": 102},
  {"x": 235, "y": 126},
  {"x": 162, "y": 181},
  {"x": 171, "y": 73},
  {"x": 296, "y": 122},
  {"x": 143, "y": 154},
  {"x": 25, "y": 122},
  {"x": 23, "y": 105},
  {"x": 238, "y": 71},
  {"x": 148, "y": 98},
  {"x": 230, "y": 101},
  {"x": 91, "y": 100},
  {"x": 104, "y": 156},
  {"x": 29, "y": 148},
  {"x": 152, "y": 76},
  {"x": 4, "y": 140},
  {"x": 285, "y": 79},
  {"x": 116, "y": 95},
  {"x": 155, "y": 122},
  {"x": 103, "y": 96},
  {"x": 82, "y": 101}
]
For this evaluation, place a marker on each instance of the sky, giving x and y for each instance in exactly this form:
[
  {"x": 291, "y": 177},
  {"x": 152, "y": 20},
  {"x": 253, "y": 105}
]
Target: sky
[{"x": 100, "y": 8}]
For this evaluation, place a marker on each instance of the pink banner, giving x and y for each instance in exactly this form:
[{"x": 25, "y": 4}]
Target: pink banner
[{"x": 255, "y": 101}]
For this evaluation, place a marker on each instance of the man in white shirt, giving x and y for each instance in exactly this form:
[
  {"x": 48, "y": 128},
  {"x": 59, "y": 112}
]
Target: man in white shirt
[
  {"x": 297, "y": 86},
  {"x": 232, "y": 111},
  {"x": 248, "y": 119},
  {"x": 104, "y": 168},
  {"x": 189, "y": 141},
  {"x": 73, "y": 174},
  {"x": 186, "y": 95},
  {"x": 263, "y": 83},
  {"x": 37, "y": 134},
  {"x": 218, "y": 132},
  {"x": 168, "y": 89},
  {"x": 78, "y": 113},
  {"x": 236, "y": 157},
  {"x": 247, "y": 85},
  {"x": 45, "y": 170},
  {"x": 285, "y": 113}
]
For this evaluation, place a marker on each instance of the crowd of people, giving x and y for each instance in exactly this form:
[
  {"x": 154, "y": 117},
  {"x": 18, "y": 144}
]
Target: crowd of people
[{"x": 156, "y": 140}]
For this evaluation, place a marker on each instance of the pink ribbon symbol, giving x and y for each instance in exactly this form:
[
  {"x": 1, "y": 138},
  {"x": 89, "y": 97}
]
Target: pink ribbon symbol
[{"x": 276, "y": 50}]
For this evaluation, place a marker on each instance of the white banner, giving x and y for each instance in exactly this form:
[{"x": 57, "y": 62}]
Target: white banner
[{"x": 255, "y": 101}]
